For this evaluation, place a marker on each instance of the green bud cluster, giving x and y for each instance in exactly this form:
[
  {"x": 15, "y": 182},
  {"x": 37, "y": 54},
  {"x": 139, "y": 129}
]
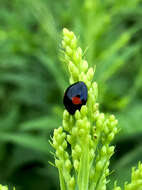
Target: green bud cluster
[
  {"x": 77, "y": 66},
  {"x": 4, "y": 187},
  {"x": 136, "y": 180},
  {"x": 82, "y": 143},
  {"x": 62, "y": 160}
]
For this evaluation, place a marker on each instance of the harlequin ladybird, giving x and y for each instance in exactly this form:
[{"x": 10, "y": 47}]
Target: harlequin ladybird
[{"x": 75, "y": 96}]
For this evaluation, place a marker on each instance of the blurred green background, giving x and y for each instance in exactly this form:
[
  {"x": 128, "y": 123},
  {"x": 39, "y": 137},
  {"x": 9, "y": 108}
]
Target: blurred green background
[{"x": 33, "y": 79}]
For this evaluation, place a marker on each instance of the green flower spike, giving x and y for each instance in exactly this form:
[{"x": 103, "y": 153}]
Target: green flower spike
[
  {"x": 136, "y": 180},
  {"x": 4, "y": 188},
  {"x": 83, "y": 141}
]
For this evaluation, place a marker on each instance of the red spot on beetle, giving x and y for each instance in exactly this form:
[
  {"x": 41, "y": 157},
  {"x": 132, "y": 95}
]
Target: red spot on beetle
[{"x": 76, "y": 100}]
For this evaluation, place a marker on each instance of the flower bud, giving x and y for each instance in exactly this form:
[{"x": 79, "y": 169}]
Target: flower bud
[
  {"x": 76, "y": 164},
  {"x": 64, "y": 145},
  {"x": 77, "y": 114},
  {"x": 72, "y": 183},
  {"x": 83, "y": 110},
  {"x": 84, "y": 65},
  {"x": 68, "y": 165},
  {"x": 111, "y": 136},
  {"x": 58, "y": 163},
  {"x": 66, "y": 40},
  {"x": 110, "y": 150},
  {"x": 104, "y": 151},
  {"x": 74, "y": 131},
  {"x": 78, "y": 149},
  {"x": 99, "y": 166},
  {"x": 90, "y": 74},
  {"x": 65, "y": 115},
  {"x": 82, "y": 132},
  {"x": 69, "y": 51},
  {"x": 73, "y": 69},
  {"x": 73, "y": 43}
]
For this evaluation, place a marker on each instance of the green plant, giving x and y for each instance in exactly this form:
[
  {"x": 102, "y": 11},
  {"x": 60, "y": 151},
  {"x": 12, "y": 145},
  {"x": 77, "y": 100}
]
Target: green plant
[
  {"x": 4, "y": 188},
  {"x": 31, "y": 76},
  {"x": 83, "y": 142}
]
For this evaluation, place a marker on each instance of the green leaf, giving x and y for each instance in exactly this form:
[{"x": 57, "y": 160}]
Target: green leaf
[
  {"x": 43, "y": 123},
  {"x": 10, "y": 119},
  {"x": 130, "y": 120},
  {"x": 29, "y": 141}
]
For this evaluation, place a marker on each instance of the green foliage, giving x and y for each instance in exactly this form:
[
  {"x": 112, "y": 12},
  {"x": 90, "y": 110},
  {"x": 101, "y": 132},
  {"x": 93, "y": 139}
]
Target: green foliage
[
  {"x": 4, "y": 188},
  {"x": 32, "y": 81}
]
